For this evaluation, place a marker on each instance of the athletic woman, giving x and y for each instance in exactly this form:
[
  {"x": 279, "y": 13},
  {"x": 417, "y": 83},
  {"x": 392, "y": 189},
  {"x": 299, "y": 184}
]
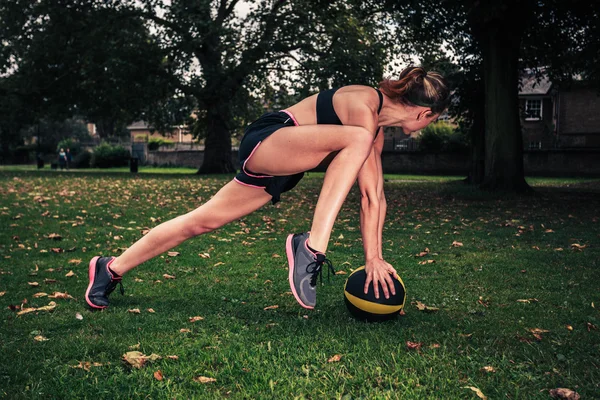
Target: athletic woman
[{"x": 342, "y": 125}]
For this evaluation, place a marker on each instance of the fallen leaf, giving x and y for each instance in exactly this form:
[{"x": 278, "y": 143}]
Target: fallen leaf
[
  {"x": 40, "y": 338},
  {"x": 423, "y": 307},
  {"x": 40, "y": 294},
  {"x": 173, "y": 357},
  {"x": 537, "y": 332},
  {"x": 158, "y": 375},
  {"x": 335, "y": 358},
  {"x": 184, "y": 330},
  {"x": 134, "y": 311},
  {"x": 527, "y": 300},
  {"x": 414, "y": 345},
  {"x": 219, "y": 263},
  {"x": 426, "y": 262},
  {"x": 569, "y": 327},
  {"x": 85, "y": 365},
  {"x": 33, "y": 284},
  {"x": 195, "y": 319},
  {"x": 204, "y": 379},
  {"x": 70, "y": 274},
  {"x": 340, "y": 272},
  {"x": 173, "y": 253},
  {"x": 548, "y": 231},
  {"x": 488, "y": 368},
  {"x": 271, "y": 307},
  {"x": 50, "y": 307},
  {"x": 564, "y": 393},
  {"x": 60, "y": 295},
  {"x": 2, "y": 293},
  {"x": 135, "y": 346},
  {"x": 75, "y": 261},
  {"x": 167, "y": 276},
  {"x": 79, "y": 316},
  {"x": 135, "y": 358},
  {"x": 204, "y": 255},
  {"x": 478, "y": 392},
  {"x": 151, "y": 310},
  {"x": 153, "y": 357},
  {"x": 435, "y": 346},
  {"x": 275, "y": 256},
  {"x": 577, "y": 246},
  {"x": 54, "y": 236}
]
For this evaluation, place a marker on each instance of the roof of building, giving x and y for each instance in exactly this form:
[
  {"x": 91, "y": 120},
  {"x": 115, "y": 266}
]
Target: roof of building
[
  {"x": 138, "y": 125},
  {"x": 531, "y": 85}
]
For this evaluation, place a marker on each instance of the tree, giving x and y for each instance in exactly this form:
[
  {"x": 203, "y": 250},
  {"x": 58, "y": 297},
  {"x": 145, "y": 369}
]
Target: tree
[
  {"x": 84, "y": 58},
  {"x": 495, "y": 40},
  {"x": 308, "y": 44}
]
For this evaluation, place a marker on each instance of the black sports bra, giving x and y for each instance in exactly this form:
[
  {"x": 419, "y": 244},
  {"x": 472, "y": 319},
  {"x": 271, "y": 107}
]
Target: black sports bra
[{"x": 326, "y": 113}]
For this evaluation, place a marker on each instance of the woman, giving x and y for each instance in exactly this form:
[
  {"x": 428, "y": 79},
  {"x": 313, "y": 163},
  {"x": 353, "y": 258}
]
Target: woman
[{"x": 274, "y": 153}]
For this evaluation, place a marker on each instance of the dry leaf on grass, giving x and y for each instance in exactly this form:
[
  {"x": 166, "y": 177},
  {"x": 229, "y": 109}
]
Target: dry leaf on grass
[
  {"x": 85, "y": 365},
  {"x": 50, "y": 307},
  {"x": 184, "y": 330},
  {"x": 423, "y": 307},
  {"x": 33, "y": 284},
  {"x": 79, "y": 316},
  {"x": 158, "y": 375},
  {"x": 488, "y": 368},
  {"x": 532, "y": 300},
  {"x": 151, "y": 310},
  {"x": 60, "y": 295},
  {"x": 40, "y": 338},
  {"x": 457, "y": 244},
  {"x": 414, "y": 345},
  {"x": 134, "y": 311},
  {"x": 271, "y": 307},
  {"x": 40, "y": 294},
  {"x": 335, "y": 358},
  {"x": 195, "y": 319},
  {"x": 2, "y": 294},
  {"x": 204, "y": 379},
  {"x": 478, "y": 392},
  {"x": 137, "y": 359},
  {"x": 173, "y": 253},
  {"x": 564, "y": 393},
  {"x": 70, "y": 274}
]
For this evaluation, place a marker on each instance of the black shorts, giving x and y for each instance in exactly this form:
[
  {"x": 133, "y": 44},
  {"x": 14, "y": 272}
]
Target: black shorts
[{"x": 255, "y": 133}]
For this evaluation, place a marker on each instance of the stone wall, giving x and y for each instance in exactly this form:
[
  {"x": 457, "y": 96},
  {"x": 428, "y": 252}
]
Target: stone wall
[{"x": 572, "y": 163}]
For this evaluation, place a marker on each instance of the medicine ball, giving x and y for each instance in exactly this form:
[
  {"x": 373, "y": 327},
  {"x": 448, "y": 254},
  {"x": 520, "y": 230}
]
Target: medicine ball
[{"x": 366, "y": 307}]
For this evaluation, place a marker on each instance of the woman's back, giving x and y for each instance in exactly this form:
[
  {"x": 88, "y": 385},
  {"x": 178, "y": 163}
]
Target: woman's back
[{"x": 345, "y": 100}]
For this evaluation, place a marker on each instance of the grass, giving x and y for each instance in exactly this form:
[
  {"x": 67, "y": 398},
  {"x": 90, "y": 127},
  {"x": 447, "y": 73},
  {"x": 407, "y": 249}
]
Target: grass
[{"x": 525, "y": 263}]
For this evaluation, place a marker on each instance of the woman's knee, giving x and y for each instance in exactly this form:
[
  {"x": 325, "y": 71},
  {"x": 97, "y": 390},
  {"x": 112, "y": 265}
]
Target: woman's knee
[
  {"x": 195, "y": 224},
  {"x": 361, "y": 140}
]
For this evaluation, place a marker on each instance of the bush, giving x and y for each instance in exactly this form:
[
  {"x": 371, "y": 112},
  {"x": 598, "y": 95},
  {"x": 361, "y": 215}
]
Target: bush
[
  {"x": 106, "y": 156},
  {"x": 82, "y": 160},
  {"x": 441, "y": 136},
  {"x": 155, "y": 142}
]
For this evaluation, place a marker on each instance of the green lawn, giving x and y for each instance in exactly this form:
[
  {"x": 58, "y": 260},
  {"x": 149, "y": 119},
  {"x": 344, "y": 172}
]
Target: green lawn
[{"x": 516, "y": 280}]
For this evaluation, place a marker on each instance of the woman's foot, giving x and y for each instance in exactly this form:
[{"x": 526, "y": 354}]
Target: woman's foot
[{"x": 102, "y": 282}]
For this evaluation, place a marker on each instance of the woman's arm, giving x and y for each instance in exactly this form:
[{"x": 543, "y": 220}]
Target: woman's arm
[{"x": 372, "y": 215}]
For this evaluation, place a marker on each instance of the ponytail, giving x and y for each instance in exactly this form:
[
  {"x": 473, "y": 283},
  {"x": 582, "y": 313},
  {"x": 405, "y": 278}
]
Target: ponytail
[{"x": 417, "y": 87}]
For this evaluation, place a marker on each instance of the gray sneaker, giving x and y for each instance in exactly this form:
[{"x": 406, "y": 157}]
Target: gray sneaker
[
  {"x": 102, "y": 282},
  {"x": 304, "y": 268}
]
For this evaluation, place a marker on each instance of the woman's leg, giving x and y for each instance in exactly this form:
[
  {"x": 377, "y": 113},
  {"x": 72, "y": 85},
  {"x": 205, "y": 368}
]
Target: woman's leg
[
  {"x": 300, "y": 148},
  {"x": 232, "y": 202}
]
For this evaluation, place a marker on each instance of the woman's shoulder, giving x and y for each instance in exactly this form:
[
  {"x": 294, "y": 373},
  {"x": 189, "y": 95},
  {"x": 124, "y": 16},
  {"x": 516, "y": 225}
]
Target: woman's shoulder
[{"x": 358, "y": 96}]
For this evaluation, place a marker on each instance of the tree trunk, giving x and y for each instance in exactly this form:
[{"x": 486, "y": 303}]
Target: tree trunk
[
  {"x": 477, "y": 133},
  {"x": 217, "y": 150},
  {"x": 503, "y": 137}
]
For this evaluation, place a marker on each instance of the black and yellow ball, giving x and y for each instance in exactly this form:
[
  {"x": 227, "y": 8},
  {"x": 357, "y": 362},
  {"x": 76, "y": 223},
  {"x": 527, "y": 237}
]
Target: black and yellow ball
[{"x": 366, "y": 307}]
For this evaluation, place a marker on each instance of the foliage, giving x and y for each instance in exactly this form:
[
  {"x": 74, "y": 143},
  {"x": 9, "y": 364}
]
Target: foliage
[
  {"x": 107, "y": 155},
  {"x": 82, "y": 159},
  {"x": 441, "y": 136},
  {"x": 82, "y": 57},
  {"x": 155, "y": 142},
  {"x": 523, "y": 264}
]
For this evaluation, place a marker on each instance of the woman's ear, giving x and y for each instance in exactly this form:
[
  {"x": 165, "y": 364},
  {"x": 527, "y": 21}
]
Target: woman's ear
[{"x": 426, "y": 113}]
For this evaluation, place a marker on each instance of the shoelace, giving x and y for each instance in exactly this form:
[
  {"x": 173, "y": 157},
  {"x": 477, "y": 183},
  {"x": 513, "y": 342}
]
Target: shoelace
[
  {"x": 316, "y": 269},
  {"x": 112, "y": 285}
]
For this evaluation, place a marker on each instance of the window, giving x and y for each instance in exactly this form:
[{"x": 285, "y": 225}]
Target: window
[{"x": 533, "y": 110}]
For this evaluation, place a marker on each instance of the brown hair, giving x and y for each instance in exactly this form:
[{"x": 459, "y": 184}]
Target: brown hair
[{"x": 417, "y": 87}]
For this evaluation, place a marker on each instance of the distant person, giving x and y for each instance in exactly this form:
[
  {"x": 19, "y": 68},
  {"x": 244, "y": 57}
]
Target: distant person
[
  {"x": 69, "y": 158},
  {"x": 62, "y": 159},
  {"x": 343, "y": 125}
]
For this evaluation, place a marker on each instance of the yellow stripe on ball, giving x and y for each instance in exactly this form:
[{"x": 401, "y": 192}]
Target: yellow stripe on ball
[{"x": 370, "y": 307}]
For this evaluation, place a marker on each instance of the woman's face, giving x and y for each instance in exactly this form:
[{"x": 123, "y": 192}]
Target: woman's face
[{"x": 419, "y": 119}]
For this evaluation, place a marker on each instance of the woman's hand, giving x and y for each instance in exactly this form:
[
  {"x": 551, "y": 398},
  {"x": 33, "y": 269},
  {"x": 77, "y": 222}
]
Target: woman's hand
[{"x": 378, "y": 270}]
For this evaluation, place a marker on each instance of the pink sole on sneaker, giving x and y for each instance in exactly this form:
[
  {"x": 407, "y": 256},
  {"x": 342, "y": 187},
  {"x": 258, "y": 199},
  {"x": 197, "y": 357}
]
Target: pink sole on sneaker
[
  {"x": 91, "y": 275},
  {"x": 290, "y": 257}
]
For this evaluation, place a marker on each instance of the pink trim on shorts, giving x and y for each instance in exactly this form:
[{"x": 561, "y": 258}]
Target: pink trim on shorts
[
  {"x": 291, "y": 116},
  {"x": 246, "y": 184},
  {"x": 247, "y": 159}
]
